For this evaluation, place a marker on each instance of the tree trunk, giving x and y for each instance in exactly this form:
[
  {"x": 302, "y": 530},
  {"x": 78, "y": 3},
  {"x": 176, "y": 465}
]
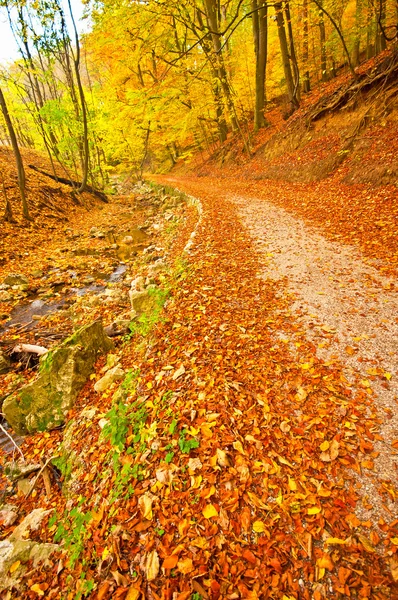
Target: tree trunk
[
  {"x": 285, "y": 54},
  {"x": 213, "y": 20},
  {"x": 292, "y": 52},
  {"x": 7, "y": 216},
  {"x": 76, "y": 60},
  {"x": 260, "y": 36},
  {"x": 18, "y": 157},
  {"x": 306, "y": 79},
  {"x": 381, "y": 43},
  {"x": 339, "y": 33},
  {"x": 322, "y": 34}
]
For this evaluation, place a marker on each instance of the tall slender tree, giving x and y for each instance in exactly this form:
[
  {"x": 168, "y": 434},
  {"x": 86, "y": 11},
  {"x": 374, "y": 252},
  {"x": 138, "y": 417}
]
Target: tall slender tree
[{"x": 18, "y": 157}]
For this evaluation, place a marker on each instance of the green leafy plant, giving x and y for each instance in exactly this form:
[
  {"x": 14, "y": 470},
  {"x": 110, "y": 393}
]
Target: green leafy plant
[
  {"x": 187, "y": 445},
  {"x": 72, "y": 530}
]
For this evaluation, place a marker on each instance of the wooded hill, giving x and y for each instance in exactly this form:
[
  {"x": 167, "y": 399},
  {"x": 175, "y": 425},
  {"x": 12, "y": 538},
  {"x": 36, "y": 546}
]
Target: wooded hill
[{"x": 155, "y": 82}]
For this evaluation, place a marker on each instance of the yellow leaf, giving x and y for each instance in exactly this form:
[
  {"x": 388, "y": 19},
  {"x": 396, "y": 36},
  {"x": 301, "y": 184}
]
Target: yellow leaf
[
  {"x": 151, "y": 565},
  {"x": 192, "y": 431},
  {"x": 394, "y": 540},
  {"x": 206, "y": 431},
  {"x": 15, "y": 566},
  {"x": 196, "y": 481},
  {"x": 292, "y": 485},
  {"x": 209, "y": 511},
  {"x": 36, "y": 588},
  {"x": 258, "y": 503},
  {"x": 145, "y": 503},
  {"x": 259, "y": 526},
  {"x": 324, "y": 446},
  {"x": 314, "y": 510},
  {"x": 93, "y": 376},
  {"x": 337, "y": 541},
  {"x": 211, "y": 491},
  {"x": 366, "y": 543},
  {"x": 238, "y": 447},
  {"x": 133, "y": 593},
  {"x": 301, "y": 394},
  {"x": 185, "y": 566},
  {"x": 387, "y": 376}
]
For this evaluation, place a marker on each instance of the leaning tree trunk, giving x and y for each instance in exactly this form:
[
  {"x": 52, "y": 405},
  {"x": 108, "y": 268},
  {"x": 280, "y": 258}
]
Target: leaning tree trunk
[
  {"x": 260, "y": 35},
  {"x": 18, "y": 157}
]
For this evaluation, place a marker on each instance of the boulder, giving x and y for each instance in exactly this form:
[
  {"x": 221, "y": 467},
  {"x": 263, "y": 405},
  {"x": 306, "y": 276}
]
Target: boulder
[
  {"x": 142, "y": 302},
  {"x": 44, "y": 403},
  {"x": 17, "y": 550},
  {"x": 5, "y": 296},
  {"x": 16, "y": 279},
  {"x": 5, "y": 363},
  {"x": 110, "y": 377}
]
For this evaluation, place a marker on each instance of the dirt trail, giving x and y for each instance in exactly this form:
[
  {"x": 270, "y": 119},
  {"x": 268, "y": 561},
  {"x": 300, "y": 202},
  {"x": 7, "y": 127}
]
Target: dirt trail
[
  {"x": 251, "y": 444},
  {"x": 347, "y": 310},
  {"x": 346, "y": 307}
]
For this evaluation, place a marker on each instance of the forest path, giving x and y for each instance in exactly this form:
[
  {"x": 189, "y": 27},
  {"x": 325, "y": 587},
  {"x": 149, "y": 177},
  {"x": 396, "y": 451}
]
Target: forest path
[{"x": 342, "y": 304}]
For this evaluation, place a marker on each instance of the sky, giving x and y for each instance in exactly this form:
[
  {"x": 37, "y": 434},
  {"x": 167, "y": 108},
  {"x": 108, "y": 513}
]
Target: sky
[{"x": 8, "y": 47}]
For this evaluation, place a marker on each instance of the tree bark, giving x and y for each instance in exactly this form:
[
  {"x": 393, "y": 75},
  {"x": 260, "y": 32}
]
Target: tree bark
[
  {"x": 18, "y": 157},
  {"x": 213, "y": 24},
  {"x": 260, "y": 36},
  {"x": 285, "y": 54},
  {"x": 76, "y": 60},
  {"x": 306, "y": 78}
]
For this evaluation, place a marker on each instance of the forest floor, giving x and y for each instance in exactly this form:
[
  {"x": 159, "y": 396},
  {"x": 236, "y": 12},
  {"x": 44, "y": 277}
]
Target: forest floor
[
  {"x": 251, "y": 450},
  {"x": 257, "y": 458}
]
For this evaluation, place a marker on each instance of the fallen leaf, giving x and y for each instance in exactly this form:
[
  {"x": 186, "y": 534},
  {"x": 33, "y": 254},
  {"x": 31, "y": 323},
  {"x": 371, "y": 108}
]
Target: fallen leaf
[
  {"x": 259, "y": 526},
  {"x": 185, "y": 566},
  {"x": 179, "y": 372},
  {"x": 133, "y": 593},
  {"x": 145, "y": 503},
  {"x": 151, "y": 565},
  {"x": 170, "y": 562},
  {"x": 314, "y": 510},
  {"x": 209, "y": 511}
]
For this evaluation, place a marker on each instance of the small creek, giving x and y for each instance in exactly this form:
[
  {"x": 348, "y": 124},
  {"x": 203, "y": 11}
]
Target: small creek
[{"x": 24, "y": 313}]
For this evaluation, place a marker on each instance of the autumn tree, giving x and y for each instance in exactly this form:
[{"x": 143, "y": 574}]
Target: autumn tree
[{"x": 18, "y": 160}]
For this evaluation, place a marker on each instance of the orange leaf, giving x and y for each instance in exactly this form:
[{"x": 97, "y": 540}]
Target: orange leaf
[{"x": 170, "y": 562}]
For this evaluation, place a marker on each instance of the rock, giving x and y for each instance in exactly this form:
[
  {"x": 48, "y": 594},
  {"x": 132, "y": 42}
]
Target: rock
[
  {"x": 15, "y": 470},
  {"x": 22, "y": 550},
  {"x": 37, "y": 273},
  {"x": 24, "y": 485},
  {"x": 158, "y": 266},
  {"x": 22, "y": 287},
  {"x": 31, "y": 522},
  {"x": 142, "y": 302},
  {"x": 16, "y": 279},
  {"x": 44, "y": 403},
  {"x": 118, "y": 327},
  {"x": 71, "y": 462},
  {"x": 8, "y": 515},
  {"x": 5, "y": 296},
  {"x": 138, "y": 283},
  {"x": 111, "y": 361},
  {"x": 5, "y": 364},
  {"x": 128, "y": 239},
  {"x": 110, "y": 377}
]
